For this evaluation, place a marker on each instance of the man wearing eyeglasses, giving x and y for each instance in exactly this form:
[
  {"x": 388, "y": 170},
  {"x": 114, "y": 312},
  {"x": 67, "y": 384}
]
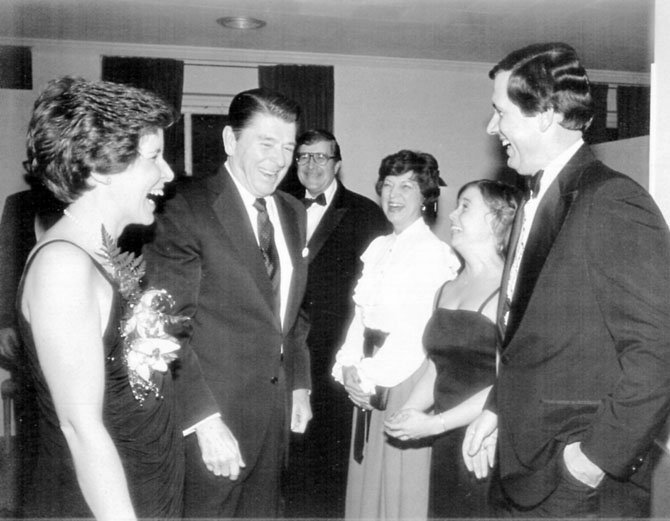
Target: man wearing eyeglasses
[{"x": 340, "y": 226}]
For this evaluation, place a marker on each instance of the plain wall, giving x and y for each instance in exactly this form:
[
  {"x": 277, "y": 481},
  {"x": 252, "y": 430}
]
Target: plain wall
[
  {"x": 380, "y": 111},
  {"x": 629, "y": 156}
]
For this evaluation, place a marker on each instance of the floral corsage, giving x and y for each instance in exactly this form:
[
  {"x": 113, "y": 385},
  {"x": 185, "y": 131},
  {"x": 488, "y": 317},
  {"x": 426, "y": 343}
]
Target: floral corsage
[{"x": 147, "y": 326}]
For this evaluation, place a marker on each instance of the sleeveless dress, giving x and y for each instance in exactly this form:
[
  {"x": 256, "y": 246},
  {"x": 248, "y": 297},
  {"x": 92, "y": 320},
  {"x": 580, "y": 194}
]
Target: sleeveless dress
[
  {"x": 462, "y": 344},
  {"x": 146, "y": 436}
]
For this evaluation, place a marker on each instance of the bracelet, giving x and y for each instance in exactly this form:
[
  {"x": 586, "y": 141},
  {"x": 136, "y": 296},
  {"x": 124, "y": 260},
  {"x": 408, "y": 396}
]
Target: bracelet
[{"x": 444, "y": 423}]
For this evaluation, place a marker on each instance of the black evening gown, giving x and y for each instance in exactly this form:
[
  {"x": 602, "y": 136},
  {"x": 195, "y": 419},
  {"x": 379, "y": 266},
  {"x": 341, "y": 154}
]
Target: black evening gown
[
  {"x": 146, "y": 436},
  {"x": 462, "y": 344}
]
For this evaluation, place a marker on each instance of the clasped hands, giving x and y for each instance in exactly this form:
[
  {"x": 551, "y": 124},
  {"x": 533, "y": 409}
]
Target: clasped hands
[
  {"x": 353, "y": 386},
  {"x": 412, "y": 424}
]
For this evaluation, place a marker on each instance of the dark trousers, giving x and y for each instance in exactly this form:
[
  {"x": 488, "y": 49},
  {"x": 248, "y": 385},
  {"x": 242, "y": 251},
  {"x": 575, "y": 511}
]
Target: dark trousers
[
  {"x": 316, "y": 477},
  {"x": 256, "y": 493},
  {"x": 573, "y": 499}
]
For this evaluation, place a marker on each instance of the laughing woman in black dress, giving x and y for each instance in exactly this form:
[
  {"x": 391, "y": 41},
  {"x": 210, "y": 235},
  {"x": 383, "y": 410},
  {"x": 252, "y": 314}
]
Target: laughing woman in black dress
[
  {"x": 460, "y": 340},
  {"x": 108, "y": 442}
]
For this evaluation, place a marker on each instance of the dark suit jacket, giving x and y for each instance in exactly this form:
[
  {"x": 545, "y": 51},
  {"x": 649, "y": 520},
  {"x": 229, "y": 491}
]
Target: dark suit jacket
[
  {"x": 344, "y": 232},
  {"x": 205, "y": 254},
  {"x": 586, "y": 353},
  {"x": 17, "y": 238}
]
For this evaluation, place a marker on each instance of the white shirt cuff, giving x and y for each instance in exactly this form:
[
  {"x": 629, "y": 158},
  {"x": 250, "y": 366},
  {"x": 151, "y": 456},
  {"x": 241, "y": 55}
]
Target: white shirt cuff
[{"x": 192, "y": 429}]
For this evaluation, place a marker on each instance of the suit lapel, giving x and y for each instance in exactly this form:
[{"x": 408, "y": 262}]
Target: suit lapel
[
  {"x": 549, "y": 219},
  {"x": 233, "y": 217},
  {"x": 331, "y": 218},
  {"x": 295, "y": 243}
]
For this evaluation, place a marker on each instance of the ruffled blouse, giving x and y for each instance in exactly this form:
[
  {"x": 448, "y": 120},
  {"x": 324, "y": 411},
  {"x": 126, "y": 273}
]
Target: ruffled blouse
[{"x": 401, "y": 274}]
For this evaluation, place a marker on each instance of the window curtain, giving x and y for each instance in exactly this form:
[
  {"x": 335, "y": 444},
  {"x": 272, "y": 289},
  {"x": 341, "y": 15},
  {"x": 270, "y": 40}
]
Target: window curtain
[
  {"x": 597, "y": 132},
  {"x": 633, "y": 106},
  {"x": 165, "y": 77},
  {"x": 313, "y": 87},
  {"x": 16, "y": 67}
]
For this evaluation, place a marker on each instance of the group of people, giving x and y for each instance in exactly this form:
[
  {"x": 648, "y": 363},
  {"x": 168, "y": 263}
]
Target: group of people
[{"x": 523, "y": 373}]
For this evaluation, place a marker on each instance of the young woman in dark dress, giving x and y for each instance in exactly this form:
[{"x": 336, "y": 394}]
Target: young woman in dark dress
[
  {"x": 109, "y": 446},
  {"x": 460, "y": 340}
]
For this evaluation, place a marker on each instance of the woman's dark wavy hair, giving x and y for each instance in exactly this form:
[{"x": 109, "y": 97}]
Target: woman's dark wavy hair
[
  {"x": 549, "y": 75},
  {"x": 426, "y": 173},
  {"x": 248, "y": 103},
  {"x": 79, "y": 127},
  {"x": 503, "y": 201}
]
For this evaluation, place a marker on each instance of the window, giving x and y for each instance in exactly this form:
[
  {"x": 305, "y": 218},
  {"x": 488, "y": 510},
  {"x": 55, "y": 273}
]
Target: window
[{"x": 208, "y": 91}]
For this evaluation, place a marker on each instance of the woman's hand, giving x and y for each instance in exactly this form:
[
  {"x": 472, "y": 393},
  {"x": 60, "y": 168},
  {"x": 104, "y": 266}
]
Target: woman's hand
[
  {"x": 352, "y": 384},
  {"x": 411, "y": 424}
]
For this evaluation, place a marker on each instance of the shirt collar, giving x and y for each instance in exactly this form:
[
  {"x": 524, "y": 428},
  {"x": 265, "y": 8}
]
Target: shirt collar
[
  {"x": 418, "y": 227},
  {"x": 247, "y": 197},
  {"x": 328, "y": 193}
]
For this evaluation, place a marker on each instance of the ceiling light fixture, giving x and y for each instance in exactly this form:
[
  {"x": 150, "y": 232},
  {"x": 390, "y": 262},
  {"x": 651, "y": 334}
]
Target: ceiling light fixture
[{"x": 240, "y": 22}]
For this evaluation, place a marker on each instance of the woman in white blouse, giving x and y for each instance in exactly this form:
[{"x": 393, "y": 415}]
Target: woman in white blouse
[{"x": 383, "y": 348}]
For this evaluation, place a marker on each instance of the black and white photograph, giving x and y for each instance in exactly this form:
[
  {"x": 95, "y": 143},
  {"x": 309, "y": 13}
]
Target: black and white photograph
[{"x": 334, "y": 259}]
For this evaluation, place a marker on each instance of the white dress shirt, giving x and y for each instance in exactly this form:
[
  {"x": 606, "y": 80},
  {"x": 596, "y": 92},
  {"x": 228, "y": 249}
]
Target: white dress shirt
[
  {"x": 401, "y": 274},
  {"x": 315, "y": 212},
  {"x": 286, "y": 271},
  {"x": 549, "y": 175}
]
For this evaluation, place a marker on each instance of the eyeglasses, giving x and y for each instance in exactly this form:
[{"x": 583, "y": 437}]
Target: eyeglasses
[{"x": 319, "y": 158}]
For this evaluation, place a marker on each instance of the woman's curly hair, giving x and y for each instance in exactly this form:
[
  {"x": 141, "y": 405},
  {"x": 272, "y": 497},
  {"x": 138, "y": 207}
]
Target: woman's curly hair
[
  {"x": 425, "y": 171},
  {"x": 80, "y": 126},
  {"x": 503, "y": 201}
]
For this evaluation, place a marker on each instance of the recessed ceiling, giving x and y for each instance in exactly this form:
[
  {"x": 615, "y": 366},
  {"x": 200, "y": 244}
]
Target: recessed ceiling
[{"x": 608, "y": 34}]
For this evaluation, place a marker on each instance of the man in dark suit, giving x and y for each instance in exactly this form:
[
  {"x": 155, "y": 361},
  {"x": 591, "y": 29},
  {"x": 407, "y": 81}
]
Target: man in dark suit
[
  {"x": 231, "y": 250},
  {"x": 340, "y": 226},
  {"x": 584, "y": 377}
]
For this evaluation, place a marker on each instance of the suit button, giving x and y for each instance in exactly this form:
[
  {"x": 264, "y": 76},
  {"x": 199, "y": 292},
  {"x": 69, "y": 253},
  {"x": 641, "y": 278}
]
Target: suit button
[
  {"x": 504, "y": 359},
  {"x": 274, "y": 380}
]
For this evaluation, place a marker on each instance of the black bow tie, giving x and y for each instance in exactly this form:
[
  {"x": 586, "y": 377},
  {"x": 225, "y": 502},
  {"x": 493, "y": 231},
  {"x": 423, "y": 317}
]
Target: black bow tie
[
  {"x": 532, "y": 184},
  {"x": 320, "y": 200}
]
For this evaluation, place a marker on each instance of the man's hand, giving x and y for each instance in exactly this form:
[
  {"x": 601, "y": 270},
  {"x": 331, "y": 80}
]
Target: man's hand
[
  {"x": 581, "y": 467},
  {"x": 479, "y": 444},
  {"x": 352, "y": 384},
  {"x": 219, "y": 448},
  {"x": 301, "y": 410}
]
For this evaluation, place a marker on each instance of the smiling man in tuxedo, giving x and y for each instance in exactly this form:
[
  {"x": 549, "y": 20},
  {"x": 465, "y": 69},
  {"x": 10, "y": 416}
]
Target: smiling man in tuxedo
[
  {"x": 340, "y": 226},
  {"x": 584, "y": 316}
]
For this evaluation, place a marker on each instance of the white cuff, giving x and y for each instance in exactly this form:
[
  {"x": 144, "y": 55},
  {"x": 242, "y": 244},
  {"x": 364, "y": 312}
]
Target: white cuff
[{"x": 192, "y": 429}]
